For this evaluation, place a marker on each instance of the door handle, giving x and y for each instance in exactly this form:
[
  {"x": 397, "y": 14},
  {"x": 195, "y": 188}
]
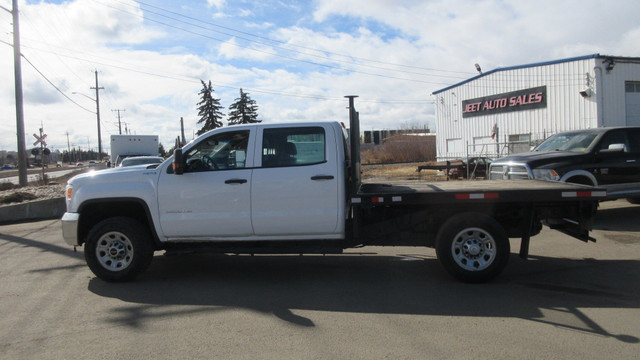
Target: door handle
[
  {"x": 322, "y": 177},
  {"x": 235, "y": 181}
]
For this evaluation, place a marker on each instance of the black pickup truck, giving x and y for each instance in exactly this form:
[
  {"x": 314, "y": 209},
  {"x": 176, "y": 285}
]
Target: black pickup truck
[{"x": 605, "y": 157}]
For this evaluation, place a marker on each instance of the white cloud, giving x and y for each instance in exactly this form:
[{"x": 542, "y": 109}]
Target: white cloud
[
  {"x": 156, "y": 78},
  {"x": 232, "y": 50},
  {"x": 219, "y": 4},
  {"x": 500, "y": 32}
]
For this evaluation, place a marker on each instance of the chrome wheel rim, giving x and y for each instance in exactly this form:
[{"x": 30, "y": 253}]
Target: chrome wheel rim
[
  {"x": 473, "y": 249},
  {"x": 114, "y": 251}
]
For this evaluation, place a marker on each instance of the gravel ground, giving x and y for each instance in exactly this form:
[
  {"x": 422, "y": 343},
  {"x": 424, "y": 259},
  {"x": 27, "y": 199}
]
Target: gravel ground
[
  {"x": 34, "y": 192},
  {"x": 31, "y": 193}
]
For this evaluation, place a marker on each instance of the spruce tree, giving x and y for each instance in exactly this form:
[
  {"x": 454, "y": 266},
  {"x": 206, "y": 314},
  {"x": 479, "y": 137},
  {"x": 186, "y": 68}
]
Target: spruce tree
[
  {"x": 243, "y": 111},
  {"x": 208, "y": 109}
]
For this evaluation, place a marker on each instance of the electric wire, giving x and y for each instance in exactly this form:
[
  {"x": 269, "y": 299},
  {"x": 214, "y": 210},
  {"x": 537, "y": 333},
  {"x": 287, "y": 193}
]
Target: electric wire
[
  {"x": 281, "y": 55},
  {"x": 54, "y": 86},
  {"x": 222, "y": 85},
  {"x": 283, "y": 43}
]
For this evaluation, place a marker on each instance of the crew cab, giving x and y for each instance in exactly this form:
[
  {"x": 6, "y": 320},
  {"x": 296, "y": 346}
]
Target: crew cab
[
  {"x": 604, "y": 157},
  {"x": 295, "y": 188}
]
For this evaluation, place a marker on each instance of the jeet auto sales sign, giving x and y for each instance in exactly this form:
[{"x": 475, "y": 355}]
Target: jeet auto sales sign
[{"x": 527, "y": 99}]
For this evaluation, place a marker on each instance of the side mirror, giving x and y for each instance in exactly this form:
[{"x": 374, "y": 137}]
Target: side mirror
[
  {"x": 178, "y": 162},
  {"x": 614, "y": 148}
]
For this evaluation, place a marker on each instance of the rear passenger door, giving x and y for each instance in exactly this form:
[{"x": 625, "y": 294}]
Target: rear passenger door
[{"x": 295, "y": 183}]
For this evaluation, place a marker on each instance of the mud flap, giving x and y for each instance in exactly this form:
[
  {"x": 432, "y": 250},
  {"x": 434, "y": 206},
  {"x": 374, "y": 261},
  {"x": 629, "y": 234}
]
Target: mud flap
[{"x": 577, "y": 228}]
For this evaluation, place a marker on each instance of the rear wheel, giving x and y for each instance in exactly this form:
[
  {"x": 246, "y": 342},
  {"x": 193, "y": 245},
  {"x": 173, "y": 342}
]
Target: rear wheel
[
  {"x": 472, "y": 247},
  {"x": 118, "y": 249}
]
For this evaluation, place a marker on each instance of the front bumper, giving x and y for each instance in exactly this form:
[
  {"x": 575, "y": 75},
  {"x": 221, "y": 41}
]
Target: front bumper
[{"x": 70, "y": 228}]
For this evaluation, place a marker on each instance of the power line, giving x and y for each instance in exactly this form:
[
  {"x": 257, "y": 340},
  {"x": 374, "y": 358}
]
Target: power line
[
  {"x": 323, "y": 52},
  {"x": 219, "y": 85},
  {"x": 55, "y": 31},
  {"x": 288, "y": 57},
  {"x": 54, "y": 86}
]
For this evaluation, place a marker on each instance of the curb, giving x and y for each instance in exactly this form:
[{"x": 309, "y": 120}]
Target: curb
[{"x": 33, "y": 210}]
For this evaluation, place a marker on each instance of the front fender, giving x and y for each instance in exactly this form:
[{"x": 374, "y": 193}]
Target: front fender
[
  {"x": 91, "y": 212},
  {"x": 103, "y": 190},
  {"x": 584, "y": 173}
]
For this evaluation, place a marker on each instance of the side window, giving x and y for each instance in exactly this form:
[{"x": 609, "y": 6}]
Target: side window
[
  {"x": 615, "y": 137},
  {"x": 223, "y": 151},
  {"x": 293, "y": 146},
  {"x": 634, "y": 140}
]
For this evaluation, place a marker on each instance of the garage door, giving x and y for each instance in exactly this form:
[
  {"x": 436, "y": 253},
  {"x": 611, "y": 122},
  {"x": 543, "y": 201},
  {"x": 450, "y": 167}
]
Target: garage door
[{"x": 632, "y": 102}]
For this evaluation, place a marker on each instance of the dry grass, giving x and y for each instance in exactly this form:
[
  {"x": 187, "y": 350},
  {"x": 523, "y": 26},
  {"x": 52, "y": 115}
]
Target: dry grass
[
  {"x": 403, "y": 150},
  {"x": 400, "y": 172},
  {"x": 16, "y": 197},
  {"x": 399, "y": 159}
]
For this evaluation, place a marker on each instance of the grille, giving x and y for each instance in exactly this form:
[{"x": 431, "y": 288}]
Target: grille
[{"x": 509, "y": 172}]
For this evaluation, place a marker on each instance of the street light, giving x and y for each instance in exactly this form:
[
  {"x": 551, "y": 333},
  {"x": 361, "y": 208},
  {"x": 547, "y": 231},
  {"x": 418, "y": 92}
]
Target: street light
[{"x": 98, "y": 117}]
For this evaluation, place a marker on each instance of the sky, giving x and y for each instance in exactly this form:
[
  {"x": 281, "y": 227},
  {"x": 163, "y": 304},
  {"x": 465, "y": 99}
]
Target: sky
[{"x": 296, "y": 59}]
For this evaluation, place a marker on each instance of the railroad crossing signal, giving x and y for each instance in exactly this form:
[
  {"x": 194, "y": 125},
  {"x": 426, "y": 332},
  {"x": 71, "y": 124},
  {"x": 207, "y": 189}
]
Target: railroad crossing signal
[{"x": 40, "y": 139}]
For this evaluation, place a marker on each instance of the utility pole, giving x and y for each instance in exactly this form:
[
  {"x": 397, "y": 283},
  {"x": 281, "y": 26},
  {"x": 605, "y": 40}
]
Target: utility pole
[
  {"x": 182, "y": 132},
  {"x": 98, "y": 115},
  {"x": 17, "y": 66},
  {"x": 68, "y": 149},
  {"x": 119, "y": 123}
]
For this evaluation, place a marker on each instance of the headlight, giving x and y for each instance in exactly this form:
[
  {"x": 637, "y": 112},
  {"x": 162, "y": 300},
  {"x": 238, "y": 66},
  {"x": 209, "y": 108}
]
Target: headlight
[{"x": 545, "y": 174}]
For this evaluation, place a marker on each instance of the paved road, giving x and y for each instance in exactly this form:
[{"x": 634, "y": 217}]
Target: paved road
[
  {"x": 38, "y": 176},
  {"x": 570, "y": 301}
]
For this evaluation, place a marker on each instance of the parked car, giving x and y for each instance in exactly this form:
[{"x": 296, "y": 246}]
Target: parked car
[
  {"x": 141, "y": 160},
  {"x": 8, "y": 167},
  {"x": 92, "y": 163},
  {"x": 78, "y": 164},
  {"x": 603, "y": 157}
]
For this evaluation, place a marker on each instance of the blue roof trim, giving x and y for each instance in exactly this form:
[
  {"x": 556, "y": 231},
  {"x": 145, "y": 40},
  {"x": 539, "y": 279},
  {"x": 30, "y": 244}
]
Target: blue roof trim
[{"x": 586, "y": 57}]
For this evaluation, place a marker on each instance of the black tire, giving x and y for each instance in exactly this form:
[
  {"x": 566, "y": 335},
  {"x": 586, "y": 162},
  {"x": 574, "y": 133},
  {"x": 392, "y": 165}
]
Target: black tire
[
  {"x": 635, "y": 201},
  {"x": 472, "y": 247},
  {"x": 118, "y": 249}
]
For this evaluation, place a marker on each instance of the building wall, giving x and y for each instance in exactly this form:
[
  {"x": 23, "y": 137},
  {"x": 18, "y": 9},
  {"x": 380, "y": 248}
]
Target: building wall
[
  {"x": 613, "y": 94},
  {"x": 566, "y": 108}
]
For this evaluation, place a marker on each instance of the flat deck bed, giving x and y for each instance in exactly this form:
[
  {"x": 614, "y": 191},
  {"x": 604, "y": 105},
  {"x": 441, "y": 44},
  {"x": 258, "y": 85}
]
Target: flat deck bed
[{"x": 419, "y": 192}]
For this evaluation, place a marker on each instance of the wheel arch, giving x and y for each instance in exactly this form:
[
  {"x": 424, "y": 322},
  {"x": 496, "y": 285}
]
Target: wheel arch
[
  {"x": 96, "y": 210},
  {"x": 580, "y": 174}
]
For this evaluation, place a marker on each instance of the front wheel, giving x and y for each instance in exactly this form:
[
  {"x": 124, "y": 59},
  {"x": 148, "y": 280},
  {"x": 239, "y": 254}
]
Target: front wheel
[
  {"x": 118, "y": 249},
  {"x": 473, "y": 247}
]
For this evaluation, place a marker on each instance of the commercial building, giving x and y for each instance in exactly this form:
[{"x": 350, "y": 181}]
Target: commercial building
[{"x": 508, "y": 110}]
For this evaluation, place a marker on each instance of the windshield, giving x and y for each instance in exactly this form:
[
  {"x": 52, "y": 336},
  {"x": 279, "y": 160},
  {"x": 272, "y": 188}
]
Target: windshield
[{"x": 575, "y": 142}]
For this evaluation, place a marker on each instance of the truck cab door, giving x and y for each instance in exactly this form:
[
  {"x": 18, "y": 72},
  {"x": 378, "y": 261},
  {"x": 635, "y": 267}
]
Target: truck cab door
[
  {"x": 295, "y": 187},
  {"x": 618, "y": 158},
  {"x": 211, "y": 199}
]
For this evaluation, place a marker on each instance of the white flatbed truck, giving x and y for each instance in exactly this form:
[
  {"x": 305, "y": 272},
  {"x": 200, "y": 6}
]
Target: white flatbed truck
[{"x": 296, "y": 189}]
